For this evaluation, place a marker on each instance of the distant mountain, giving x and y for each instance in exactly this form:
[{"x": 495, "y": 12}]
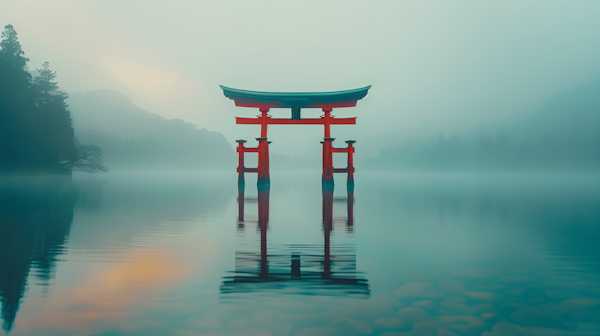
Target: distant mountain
[
  {"x": 573, "y": 113},
  {"x": 133, "y": 138}
]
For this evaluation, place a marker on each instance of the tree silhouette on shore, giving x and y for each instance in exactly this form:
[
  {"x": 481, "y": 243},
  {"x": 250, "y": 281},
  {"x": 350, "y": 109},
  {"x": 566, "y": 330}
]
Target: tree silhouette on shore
[{"x": 36, "y": 130}]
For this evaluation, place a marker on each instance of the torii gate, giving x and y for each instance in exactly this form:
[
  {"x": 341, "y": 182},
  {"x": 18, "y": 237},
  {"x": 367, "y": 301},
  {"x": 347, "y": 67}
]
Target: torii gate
[{"x": 265, "y": 101}]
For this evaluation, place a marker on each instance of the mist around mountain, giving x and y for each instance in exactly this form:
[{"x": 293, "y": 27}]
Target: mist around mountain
[
  {"x": 563, "y": 135},
  {"x": 134, "y": 139}
]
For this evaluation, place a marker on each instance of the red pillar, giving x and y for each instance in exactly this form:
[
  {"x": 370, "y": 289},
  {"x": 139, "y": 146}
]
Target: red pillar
[
  {"x": 263, "y": 163},
  {"x": 264, "y": 118},
  {"x": 240, "y": 168},
  {"x": 327, "y": 122},
  {"x": 327, "y": 180}
]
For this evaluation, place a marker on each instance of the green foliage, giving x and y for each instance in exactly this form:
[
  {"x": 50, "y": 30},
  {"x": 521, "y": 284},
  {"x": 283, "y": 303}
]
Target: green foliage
[{"x": 36, "y": 131}]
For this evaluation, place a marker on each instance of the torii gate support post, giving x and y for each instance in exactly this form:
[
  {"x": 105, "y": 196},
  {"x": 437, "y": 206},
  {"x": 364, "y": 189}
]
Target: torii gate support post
[
  {"x": 264, "y": 180},
  {"x": 240, "y": 168},
  {"x": 327, "y": 179}
]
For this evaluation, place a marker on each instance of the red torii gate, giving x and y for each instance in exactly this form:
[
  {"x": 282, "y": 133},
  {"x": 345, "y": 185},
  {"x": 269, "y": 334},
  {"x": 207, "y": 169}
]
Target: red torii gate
[{"x": 265, "y": 101}]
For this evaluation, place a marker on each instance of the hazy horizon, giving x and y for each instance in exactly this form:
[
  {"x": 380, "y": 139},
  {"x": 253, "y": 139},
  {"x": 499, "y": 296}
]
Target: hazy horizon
[{"x": 434, "y": 66}]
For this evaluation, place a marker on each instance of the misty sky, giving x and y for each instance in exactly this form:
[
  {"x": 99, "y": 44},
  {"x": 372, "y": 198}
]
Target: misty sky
[{"x": 434, "y": 65}]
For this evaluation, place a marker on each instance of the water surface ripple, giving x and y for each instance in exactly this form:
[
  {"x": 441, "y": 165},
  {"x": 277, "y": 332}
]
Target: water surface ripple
[{"x": 403, "y": 254}]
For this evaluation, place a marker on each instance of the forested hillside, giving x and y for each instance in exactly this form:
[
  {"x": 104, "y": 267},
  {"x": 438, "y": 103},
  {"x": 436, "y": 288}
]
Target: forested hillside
[{"x": 36, "y": 134}]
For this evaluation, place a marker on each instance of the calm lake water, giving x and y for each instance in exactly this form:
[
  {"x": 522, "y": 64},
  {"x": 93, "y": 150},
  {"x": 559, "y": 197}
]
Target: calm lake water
[{"x": 406, "y": 254}]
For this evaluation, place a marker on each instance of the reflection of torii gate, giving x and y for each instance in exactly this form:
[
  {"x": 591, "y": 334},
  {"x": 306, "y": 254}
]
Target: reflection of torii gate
[
  {"x": 265, "y": 101},
  {"x": 336, "y": 271}
]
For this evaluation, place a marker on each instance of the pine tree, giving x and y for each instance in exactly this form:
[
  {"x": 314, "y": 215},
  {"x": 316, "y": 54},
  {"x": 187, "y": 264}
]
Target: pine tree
[
  {"x": 36, "y": 131},
  {"x": 17, "y": 109},
  {"x": 56, "y": 127}
]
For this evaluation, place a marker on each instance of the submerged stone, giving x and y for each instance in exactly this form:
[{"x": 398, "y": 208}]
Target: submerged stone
[
  {"x": 471, "y": 274},
  {"x": 351, "y": 327},
  {"x": 507, "y": 329},
  {"x": 496, "y": 287},
  {"x": 560, "y": 284},
  {"x": 483, "y": 308},
  {"x": 569, "y": 306},
  {"x": 595, "y": 290},
  {"x": 302, "y": 319},
  {"x": 404, "y": 333},
  {"x": 459, "y": 319},
  {"x": 369, "y": 310},
  {"x": 484, "y": 296},
  {"x": 471, "y": 329},
  {"x": 418, "y": 290},
  {"x": 388, "y": 300},
  {"x": 515, "y": 291},
  {"x": 585, "y": 316},
  {"x": 561, "y": 294},
  {"x": 412, "y": 315},
  {"x": 488, "y": 316},
  {"x": 318, "y": 331},
  {"x": 446, "y": 333},
  {"x": 389, "y": 323},
  {"x": 518, "y": 278},
  {"x": 541, "y": 331},
  {"x": 535, "y": 317},
  {"x": 456, "y": 299},
  {"x": 459, "y": 308},
  {"x": 451, "y": 287},
  {"x": 427, "y": 304},
  {"x": 255, "y": 332},
  {"x": 430, "y": 327}
]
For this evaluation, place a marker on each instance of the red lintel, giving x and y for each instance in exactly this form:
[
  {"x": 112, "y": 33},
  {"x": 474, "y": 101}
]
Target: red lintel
[
  {"x": 250, "y": 170},
  {"x": 303, "y": 121},
  {"x": 339, "y": 150},
  {"x": 340, "y": 170},
  {"x": 249, "y": 150}
]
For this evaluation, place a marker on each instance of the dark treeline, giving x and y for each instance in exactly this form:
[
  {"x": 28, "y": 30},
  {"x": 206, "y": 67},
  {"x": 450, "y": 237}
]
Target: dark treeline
[
  {"x": 564, "y": 135},
  {"x": 36, "y": 132}
]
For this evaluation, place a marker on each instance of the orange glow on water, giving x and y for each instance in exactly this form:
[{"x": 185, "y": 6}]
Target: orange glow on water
[{"x": 106, "y": 294}]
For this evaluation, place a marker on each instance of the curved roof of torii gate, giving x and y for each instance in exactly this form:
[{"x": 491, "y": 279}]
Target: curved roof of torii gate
[{"x": 246, "y": 98}]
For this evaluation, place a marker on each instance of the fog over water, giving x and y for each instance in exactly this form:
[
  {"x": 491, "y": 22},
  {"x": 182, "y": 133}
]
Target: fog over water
[
  {"x": 435, "y": 66},
  {"x": 472, "y": 206}
]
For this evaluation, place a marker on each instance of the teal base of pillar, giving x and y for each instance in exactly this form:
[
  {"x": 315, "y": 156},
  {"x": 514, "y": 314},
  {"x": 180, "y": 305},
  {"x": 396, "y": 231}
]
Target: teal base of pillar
[
  {"x": 327, "y": 183},
  {"x": 263, "y": 184},
  {"x": 350, "y": 184}
]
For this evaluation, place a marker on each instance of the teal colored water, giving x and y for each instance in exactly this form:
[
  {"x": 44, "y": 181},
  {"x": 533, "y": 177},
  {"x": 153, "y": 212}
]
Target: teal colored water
[{"x": 405, "y": 254}]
